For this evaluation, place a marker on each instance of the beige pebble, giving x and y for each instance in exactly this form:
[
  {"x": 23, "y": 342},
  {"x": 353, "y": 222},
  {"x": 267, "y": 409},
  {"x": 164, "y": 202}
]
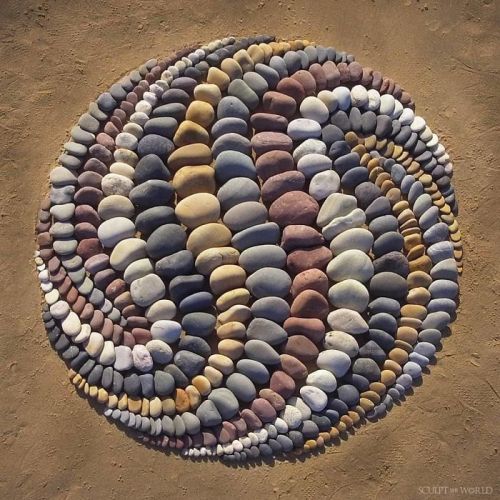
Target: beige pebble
[
  {"x": 231, "y": 330},
  {"x": 208, "y": 236},
  {"x": 198, "y": 209},
  {"x": 218, "y": 77},
  {"x": 238, "y": 296},
  {"x": 168, "y": 406},
  {"x": 224, "y": 364},
  {"x": 202, "y": 384},
  {"x": 191, "y": 180},
  {"x": 231, "y": 348},
  {"x": 227, "y": 277},
  {"x": 208, "y": 92},
  {"x": 208, "y": 260},
  {"x": 214, "y": 376},
  {"x": 200, "y": 112},
  {"x": 238, "y": 312},
  {"x": 194, "y": 396},
  {"x": 155, "y": 407},
  {"x": 190, "y": 132}
]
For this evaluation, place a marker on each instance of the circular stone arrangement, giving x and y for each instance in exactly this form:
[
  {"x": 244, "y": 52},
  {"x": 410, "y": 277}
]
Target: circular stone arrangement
[{"x": 248, "y": 248}]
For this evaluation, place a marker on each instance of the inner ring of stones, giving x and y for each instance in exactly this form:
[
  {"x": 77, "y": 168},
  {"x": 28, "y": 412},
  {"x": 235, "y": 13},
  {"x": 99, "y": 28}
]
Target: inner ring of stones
[{"x": 192, "y": 131}]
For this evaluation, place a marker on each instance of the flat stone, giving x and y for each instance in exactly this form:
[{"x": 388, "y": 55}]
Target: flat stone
[
  {"x": 147, "y": 290},
  {"x": 347, "y": 320},
  {"x": 341, "y": 341}
]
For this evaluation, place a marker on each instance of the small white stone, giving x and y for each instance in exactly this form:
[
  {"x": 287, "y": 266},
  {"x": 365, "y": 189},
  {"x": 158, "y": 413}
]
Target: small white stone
[
  {"x": 107, "y": 356},
  {"x": 83, "y": 335},
  {"x": 418, "y": 124},
  {"x": 126, "y": 140},
  {"x": 143, "y": 107},
  {"x": 52, "y": 297},
  {"x": 43, "y": 275},
  {"x": 359, "y": 96},
  {"x": 398, "y": 109},
  {"x": 139, "y": 118},
  {"x": 46, "y": 287},
  {"x": 328, "y": 99},
  {"x": 150, "y": 97},
  {"x": 406, "y": 116},
  {"x": 71, "y": 325},
  {"x": 253, "y": 438},
  {"x": 60, "y": 309},
  {"x": 387, "y": 103},
  {"x": 134, "y": 129},
  {"x": 94, "y": 344},
  {"x": 343, "y": 97},
  {"x": 373, "y": 100}
]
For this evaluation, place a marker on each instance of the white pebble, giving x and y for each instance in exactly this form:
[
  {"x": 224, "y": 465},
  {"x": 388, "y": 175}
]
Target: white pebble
[
  {"x": 359, "y": 96},
  {"x": 373, "y": 100},
  {"x": 328, "y": 99},
  {"x": 387, "y": 103},
  {"x": 143, "y": 107},
  {"x": 418, "y": 124}
]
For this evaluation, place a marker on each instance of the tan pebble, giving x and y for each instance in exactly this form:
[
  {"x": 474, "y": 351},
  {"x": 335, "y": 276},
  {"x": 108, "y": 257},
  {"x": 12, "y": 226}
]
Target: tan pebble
[
  {"x": 194, "y": 396},
  {"x": 200, "y": 112},
  {"x": 181, "y": 400},
  {"x": 244, "y": 60},
  {"x": 423, "y": 263},
  {"x": 411, "y": 322},
  {"x": 391, "y": 365},
  {"x": 213, "y": 375},
  {"x": 102, "y": 395},
  {"x": 227, "y": 277},
  {"x": 190, "y": 132},
  {"x": 210, "y": 259},
  {"x": 400, "y": 207},
  {"x": 268, "y": 52},
  {"x": 406, "y": 163},
  {"x": 341, "y": 426},
  {"x": 386, "y": 186},
  {"x": 360, "y": 411},
  {"x": 439, "y": 202},
  {"x": 403, "y": 156},
  {"x": 456, "y": 236},
  {"x": 410, "y": 231},
  {"x": 86, "y": 388},
  {"x": 325, "y": 436},
  {"x": 447, "y": 218},
  {"x": 370, "y": 142},
  {"x": 404, "y": 346},
  {"x": 93, "y": 391},
  {"x": 222, "y": 363},
  {"x": 453, "y": 227},
  {"x": 388, "y": 377},
  {"x": 371, "y": 395},
  {"x": 168, "y": 406},
  {"x": 231, "y": 330},
  {"x": 71, "y": 373},
  {"x": 414, "y": 311},
  {"x": 112, "y": 401},
  {"x": 412, "y": 223},
  {"x": 412, "y": 241},
  {"x": 238, "y": 296},
  {"x": 397, "y": 151},
  {"x": 208, "y": 92},
  {"x": 145, "y": 407},
  {"x": 418, "y": 279},
  {"x": 389, "y": 149},
  {"x": 381, "y": 144},
  {"x": 202, "y": 384},
  {"x": 393, "y": 195},
  {"x": 426, "y": 179},
  {"x": 190, "y": 180},
  {"x": 155, "y": 407},
  {"x": 320, "y": 442},
  {"x": 414, "y": 168},
  {"x": 398, "y": 355},
  {"x": 198, "y": 209},
  {"x": 231, "y": 68},
  {"x": 366, "y": 404},
  {"x": 419, "y": 295},
  {"x": 416, "y": 252},
  {"x": 208, "y": 236},
  {"x": 81, "y": 385},
  {"x": 360, "y": 149},
  {"x": 384, "y": 176},
  {"x": 218, "y": 77},
  {"x": 189, "y": 156},
  {"x": 256, "y": 53},
  {"x": 134, "y": 404},
  {"x": 311, "y": 444},
  {"x": 354, "y": 416},
  {"x": 123, "y": 401},
  {"x": 231, "y": 348},
  {"x": 378, "y": 387},
  {"x": 404, "y": 215},
  {"x": 77, "y": 379},
  {"x": 334, "y": 433},
  {"x": 373, "y": 164},
  {"x": 365, "y": 159},
  {"x": 238, "y": 312},
  {"x": 347, "y": 421},
  {"x": 122, "y": 169},
  {"x": 407, "y": 334},
  {"x": 352, "y": 139}
]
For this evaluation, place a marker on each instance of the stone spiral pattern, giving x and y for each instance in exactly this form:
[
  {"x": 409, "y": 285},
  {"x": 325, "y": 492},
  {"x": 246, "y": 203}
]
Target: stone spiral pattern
[{"x": 249, "y": 248}]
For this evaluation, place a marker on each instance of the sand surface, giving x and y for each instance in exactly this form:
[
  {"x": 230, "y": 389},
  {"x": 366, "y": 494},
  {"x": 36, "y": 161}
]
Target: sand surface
[{"x": 56, "y": 56}]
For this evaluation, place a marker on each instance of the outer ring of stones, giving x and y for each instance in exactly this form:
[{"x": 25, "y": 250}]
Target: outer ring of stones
[{"x": 336, "y": 173}]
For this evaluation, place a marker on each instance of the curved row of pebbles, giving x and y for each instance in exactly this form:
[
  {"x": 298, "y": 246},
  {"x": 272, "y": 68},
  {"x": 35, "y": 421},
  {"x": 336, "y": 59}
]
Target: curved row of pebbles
[{"x": 325, "y": 187}]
